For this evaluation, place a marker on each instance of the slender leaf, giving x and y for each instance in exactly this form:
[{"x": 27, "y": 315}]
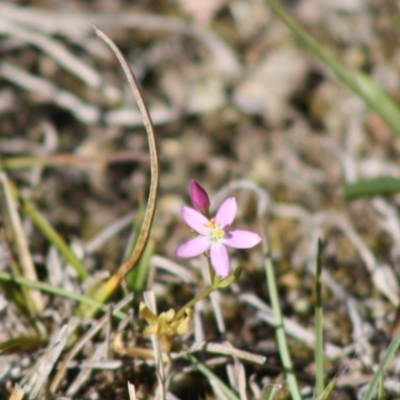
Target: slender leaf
[
  {"x": 361, "y": 84},
  {"x": 326, "y": 394},
  {"x": 389, "y": 355},
  {"x": 44, "y": 226},
  {"x": 373, "y": 187},
  {"x": 269, "y": 392},
  {"x": 319, "y": 334},
  {"x": 57, "y": 291},
  {"x": 137, "y": 278},
  {"x": 280, "y": 330},
  {"x": 213, "y": 378}
]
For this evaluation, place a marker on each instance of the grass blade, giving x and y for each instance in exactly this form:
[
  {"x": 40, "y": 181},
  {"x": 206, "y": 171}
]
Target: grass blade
[
  {"x": 390, "y": 353},
  {"x": 319, "y": 334},
  {"x": 212, "y": 378},
  {"x": 137, "y": 278},
  {"x": 383, "y": 185},
  {"x": 326, "y": 394},
  {"x": 362, "y": 85},
  {"x": 381, "y": 388},
  {"x": 113, "y": 283},
  {"x": 269, "y": 392},
  {"x": 33, "y": 297},
  {"x": 283, "y": 346},
  {"x": 43, "y": 225},
  {"x": 57, "y": 291}
]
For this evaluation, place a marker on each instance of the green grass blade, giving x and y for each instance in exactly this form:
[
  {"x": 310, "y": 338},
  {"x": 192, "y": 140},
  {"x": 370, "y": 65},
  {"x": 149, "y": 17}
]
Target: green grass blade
[
  {"x": 49, "y": 233},
  {"x": 283, "y": 346},
  {"x": 137, "y": 278},
  {"x": 373, "y": 96},
  {"x": 212, "y": 378},
  {"x": 372, "y": 187},
  {"x": 328, "y": 391},
  {"x": 381, "y": 388},
  {"x": 269, "y": 392},
  {"x": 377, "y": 99},
  {"x": 319, "y": 335},
  {"x": 390, "y": 354},
  {"x": 21, "y": 344},
  {"x": 25, "y": 267},
  {"x": 57, "y": 291}
]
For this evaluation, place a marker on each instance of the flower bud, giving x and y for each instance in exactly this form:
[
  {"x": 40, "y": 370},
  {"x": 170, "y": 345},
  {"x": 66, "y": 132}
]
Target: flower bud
[{"x": 199, "y": 197}]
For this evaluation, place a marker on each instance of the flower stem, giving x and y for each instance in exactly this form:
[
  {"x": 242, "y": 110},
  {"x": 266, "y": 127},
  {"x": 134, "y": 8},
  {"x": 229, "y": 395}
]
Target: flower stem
[
  {"x": 192, "y": 302},
  {"x": 210, "y": 269}
]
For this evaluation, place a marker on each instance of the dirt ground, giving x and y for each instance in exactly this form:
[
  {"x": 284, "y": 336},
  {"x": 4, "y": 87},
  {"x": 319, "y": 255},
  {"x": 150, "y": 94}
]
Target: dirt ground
[{"x": 242, "y": 107}]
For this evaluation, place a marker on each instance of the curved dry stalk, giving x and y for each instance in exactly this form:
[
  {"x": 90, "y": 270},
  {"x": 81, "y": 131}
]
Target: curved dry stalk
[{"x": 112, "y": 284}]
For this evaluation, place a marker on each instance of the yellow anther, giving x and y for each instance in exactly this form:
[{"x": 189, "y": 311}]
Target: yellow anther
[{"x": 213, "y": 224}]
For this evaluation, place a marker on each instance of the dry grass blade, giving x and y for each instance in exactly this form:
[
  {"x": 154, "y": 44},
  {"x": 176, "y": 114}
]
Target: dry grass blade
[
  {"x": 223, "y": 56},
  {"x": 59, "y": 52},
  {"x": 131, "y": 391},
  {"x": 228, "y": 349},
  {"x": 150, "y": 301},
  {"x": 21, "y": 243},
  {"x": 237, "y": 378},
  {"x": 78, "y": 346},
  {"x": 224, "y": 349},
  {"x": 47, "y": 364},
  {"x": 16, "y": 393},
  {"x": 83, "y": 111},
  {"x": 143, "y": 237},
  {"x": 86, "y": 370}
]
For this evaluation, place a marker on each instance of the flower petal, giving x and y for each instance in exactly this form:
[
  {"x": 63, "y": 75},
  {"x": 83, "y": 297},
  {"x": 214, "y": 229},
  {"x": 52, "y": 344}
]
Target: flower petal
[
  {"x": 193, "y": 247},
  {"x": 226, "y": 212},
  {"x": 241, "y": 239},
  {"x": 219, "y": 260},
  {"x": 195, "y": 220}
]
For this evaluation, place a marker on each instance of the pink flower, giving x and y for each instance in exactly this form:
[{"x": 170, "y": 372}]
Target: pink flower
[
  {"x": 199, "y": 197},
  {"x": 214, "y": 235}
]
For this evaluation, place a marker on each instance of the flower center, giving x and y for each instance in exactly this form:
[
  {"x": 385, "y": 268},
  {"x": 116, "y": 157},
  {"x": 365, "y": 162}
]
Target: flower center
[{"x": 216, "y": 233}]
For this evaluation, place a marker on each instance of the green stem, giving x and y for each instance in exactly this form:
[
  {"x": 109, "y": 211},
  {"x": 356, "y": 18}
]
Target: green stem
[
  {"x": 280, "y": 331},
  {"x": 210, "y": 269},
  {"x": 319, "y": 336},
  {"x": 192, "y": 302}
]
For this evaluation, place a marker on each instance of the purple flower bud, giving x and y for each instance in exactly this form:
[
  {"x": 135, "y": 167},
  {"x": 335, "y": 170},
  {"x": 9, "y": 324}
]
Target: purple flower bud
[{"x": 199, "y": 197}]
